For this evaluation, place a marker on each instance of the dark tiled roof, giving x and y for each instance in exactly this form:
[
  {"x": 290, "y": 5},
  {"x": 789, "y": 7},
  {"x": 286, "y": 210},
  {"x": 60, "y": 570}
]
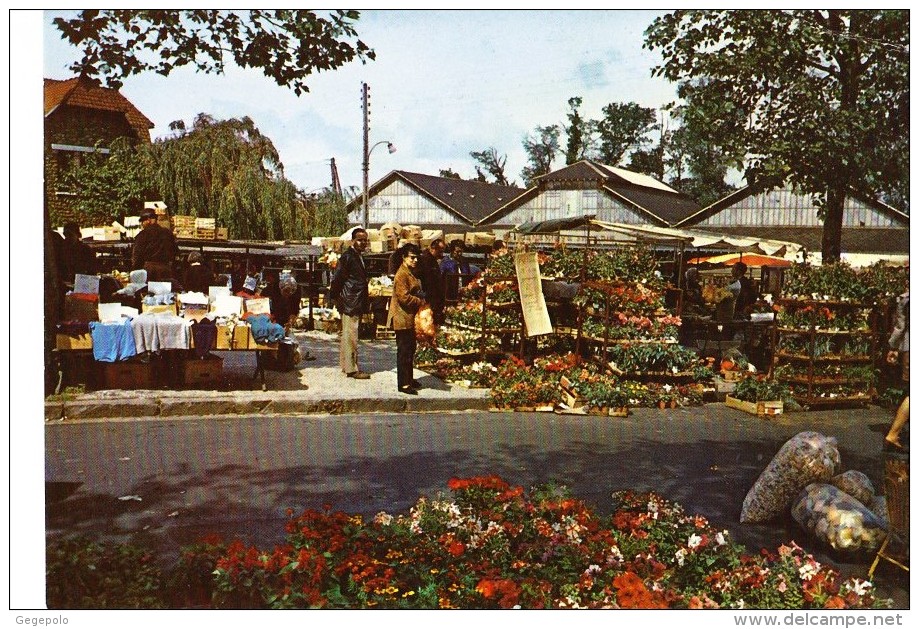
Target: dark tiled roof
[
  {"x": 854, "y": 239},
  {"x": 78, "y": 92},
  {"x": 650, "y": 197},
  {"x": 470, "y": 200}
]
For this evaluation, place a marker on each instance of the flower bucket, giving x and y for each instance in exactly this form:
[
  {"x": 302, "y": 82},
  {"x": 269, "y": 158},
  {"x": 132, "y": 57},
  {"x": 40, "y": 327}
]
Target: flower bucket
[{"x": 619, "y": 412}]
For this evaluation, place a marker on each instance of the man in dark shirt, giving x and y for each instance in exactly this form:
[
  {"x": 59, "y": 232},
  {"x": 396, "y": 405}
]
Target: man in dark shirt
[
  {"x": 746, "y": 292},
  {"x": 432, "y": 280},
  {"x": 76, "y": 255},
  {"x": 154, "y": 249}
]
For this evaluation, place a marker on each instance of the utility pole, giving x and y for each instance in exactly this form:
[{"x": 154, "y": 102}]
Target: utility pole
[{"x": 365, "y": 102}]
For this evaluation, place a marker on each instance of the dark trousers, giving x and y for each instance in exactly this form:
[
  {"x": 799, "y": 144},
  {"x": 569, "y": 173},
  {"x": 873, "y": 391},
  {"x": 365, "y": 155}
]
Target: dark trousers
[{"x": 405, "y": 356}]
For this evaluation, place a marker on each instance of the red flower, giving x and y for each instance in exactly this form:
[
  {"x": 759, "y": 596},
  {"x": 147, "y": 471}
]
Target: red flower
[{"x": 456, "y": 549}]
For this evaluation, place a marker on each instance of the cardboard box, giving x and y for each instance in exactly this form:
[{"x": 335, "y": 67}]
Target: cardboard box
[
  {"x": 222, "y": 233},
  {"x": 411, "y": 232},
  {"x": 79, "y": 341},
  {"x": 158, "y": 309},
  {"x": 203, "y": 372},
  {"x": 127, "y": 375},
  {"x": 448, "y": 238},
  {"x": 762, "y": 409},
  {"x": 76, "y": 309},
  {"x": 475, "y": 239},
  {"x": 374, "y": 234},
  {"x": 238, "y": 340},
  {"x": 430, "y": 235},
  {"x": 106, "y": 233}
]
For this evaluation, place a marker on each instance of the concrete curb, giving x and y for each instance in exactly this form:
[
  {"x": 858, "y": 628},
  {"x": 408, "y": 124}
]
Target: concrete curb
[{"x": 188, "y": 404}]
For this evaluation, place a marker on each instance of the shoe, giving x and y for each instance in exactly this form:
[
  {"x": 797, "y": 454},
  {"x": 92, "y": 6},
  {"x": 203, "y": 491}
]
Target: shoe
[
  {"x": 417, "y": 384},
  {"x": 408, "y": 390},
  {"x": 892, "y": 446},
  {"x": 359, "y": 375}
]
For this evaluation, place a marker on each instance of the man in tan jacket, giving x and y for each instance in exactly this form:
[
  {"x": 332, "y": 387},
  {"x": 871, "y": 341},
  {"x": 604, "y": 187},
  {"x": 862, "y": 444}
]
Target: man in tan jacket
[{"x": 407, "y": 299}]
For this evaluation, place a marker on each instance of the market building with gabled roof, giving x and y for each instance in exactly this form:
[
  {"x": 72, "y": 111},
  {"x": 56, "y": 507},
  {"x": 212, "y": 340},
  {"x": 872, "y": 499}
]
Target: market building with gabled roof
[
  {"x": 871, "y": 230},
  {"x": 82, "y": 117},
  {"x": 433, "y": 202},
  {"x": 587, "y": 187}
]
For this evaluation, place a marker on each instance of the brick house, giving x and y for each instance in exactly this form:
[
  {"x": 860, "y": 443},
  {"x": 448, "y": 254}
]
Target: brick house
[{"x": 82, "y": 117}]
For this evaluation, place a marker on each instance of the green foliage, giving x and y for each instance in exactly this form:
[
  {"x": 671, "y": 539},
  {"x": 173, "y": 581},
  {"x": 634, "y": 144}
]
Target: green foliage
[
  {"x": 493, "y": 165},
  {"x": 82, "y": 574},
  {"x": 111, "y": 186},
  {"x": 540, "y": 148},
  {"x": 287, "y": 45},
  {"x": 623, "y": 128},
  {"x": 578, "y": 132},
  {"x": 817, "y": 97},
  {"x": 755, "y": 389},
  {"x": 228, "y": 170},
  {"x": 327, "y": 214}
]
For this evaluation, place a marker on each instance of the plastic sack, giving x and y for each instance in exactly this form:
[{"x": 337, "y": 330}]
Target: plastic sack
[
  {"x": 837, "y": 519},
  {"x": 425, "y": 330},
  {"x": 806, "y": 458},
  {"x": 856, "y": 484}
]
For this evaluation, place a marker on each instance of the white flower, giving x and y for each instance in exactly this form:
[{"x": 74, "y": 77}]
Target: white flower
[
  {"x": 383, "y": 518},
  {"x": 720, "y": 539},
  {"x": 694, "y": 541},
  {"x": 680, "y": 556},
  {"x": 807, "y": 571},
  {"x": 592, "y": 569}
]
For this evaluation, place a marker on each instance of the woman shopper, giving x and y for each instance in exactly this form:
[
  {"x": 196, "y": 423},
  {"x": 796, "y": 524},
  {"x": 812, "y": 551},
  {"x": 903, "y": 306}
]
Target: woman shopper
[{"x": 407, "y": 299}]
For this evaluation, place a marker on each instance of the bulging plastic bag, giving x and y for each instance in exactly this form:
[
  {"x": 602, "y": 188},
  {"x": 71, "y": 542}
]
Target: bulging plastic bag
[
  {"x": 806, "y": 458},
  {"x": 425, "y": 330},
  {"x": 856, "y": 484},
  {"x": 837, "y": 519}
]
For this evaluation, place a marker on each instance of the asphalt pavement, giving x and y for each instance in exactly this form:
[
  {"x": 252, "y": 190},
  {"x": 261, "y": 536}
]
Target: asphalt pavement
[{"x": 165, "y": 467}]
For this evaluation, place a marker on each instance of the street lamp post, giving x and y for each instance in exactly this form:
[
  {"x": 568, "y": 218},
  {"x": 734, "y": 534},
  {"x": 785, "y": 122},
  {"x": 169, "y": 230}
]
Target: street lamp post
[{"x": 392, "y": 149}]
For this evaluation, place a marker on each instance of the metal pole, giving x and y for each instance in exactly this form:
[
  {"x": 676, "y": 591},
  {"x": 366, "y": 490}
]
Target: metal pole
[{"x": 364, "y": 93}]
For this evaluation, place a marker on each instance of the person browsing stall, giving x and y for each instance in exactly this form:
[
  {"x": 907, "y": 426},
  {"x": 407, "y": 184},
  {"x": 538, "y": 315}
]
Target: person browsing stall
[
  {"x": 155, "y": 248},
  {"x": 407, "y": 298},
  {"x": 455, "y": 269},
  {"x": 350, "y": 291},
  {"x": 432, "y": 280}
]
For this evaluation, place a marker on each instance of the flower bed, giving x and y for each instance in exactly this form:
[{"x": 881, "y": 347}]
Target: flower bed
[{"x": 492, "y": 545}]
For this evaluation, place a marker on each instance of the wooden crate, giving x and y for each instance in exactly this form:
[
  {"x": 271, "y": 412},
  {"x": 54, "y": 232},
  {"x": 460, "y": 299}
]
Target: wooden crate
[
  {"x": 762, "y": 409},
  {"x": 127, "y": 374},
  {"x": 384, "y": 333},
  {"x": 205, "y": 233},
  {"x": 203, "y": 372}
]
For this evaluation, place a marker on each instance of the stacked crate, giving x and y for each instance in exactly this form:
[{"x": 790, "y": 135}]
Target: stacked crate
[
  {"x": 205, "y": 228},
  {"x": 183, "y": 226}
]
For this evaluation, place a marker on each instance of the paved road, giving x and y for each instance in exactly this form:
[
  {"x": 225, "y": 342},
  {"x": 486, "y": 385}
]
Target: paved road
[{"x": 238, "y": 475}]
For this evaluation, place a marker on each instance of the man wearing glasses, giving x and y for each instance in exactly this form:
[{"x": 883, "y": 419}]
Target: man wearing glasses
[{"x": 349, "y": 290}]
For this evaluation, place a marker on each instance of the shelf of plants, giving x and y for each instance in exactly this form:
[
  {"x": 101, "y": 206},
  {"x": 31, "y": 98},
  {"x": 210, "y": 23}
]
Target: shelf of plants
[
  {"x": 625, "y": 352},
  {"x": 826, "y": 339}
]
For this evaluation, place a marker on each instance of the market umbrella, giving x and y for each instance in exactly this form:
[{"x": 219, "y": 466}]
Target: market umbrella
[{"x": 752, "y": 260}]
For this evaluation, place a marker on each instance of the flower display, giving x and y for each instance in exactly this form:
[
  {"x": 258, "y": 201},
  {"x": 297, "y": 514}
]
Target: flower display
[{"x": 488, "y": 544}]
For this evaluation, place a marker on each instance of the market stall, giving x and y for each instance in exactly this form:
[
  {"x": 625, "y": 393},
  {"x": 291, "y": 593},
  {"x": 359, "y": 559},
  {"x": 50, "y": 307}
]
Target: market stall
[{"x": 170, "y": 340}]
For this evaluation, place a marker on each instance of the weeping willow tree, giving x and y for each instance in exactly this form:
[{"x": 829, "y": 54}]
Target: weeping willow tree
[
  {"x": 326, "y": 211},
  {"x": 228, "y": 170}
]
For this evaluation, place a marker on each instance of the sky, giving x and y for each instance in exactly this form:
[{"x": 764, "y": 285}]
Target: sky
[{"x": 444, "y": 83}]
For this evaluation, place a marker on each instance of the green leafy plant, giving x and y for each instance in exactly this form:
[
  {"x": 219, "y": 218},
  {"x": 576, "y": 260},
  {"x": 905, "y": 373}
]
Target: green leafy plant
[{"x": 758, "y": 389}]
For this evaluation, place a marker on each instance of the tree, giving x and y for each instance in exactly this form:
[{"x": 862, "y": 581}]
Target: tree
[
  {"x": 579, "y": 133},
  {"x": 696, "y": 165},
  {"x": 287, "y": 45},
  {"x": 819, "y": 98},
  {"x": 540, "y": 148},
  {"x": 326, "y": 211},
  {"x": 493, "y": 165},
  {"x": 449, "y": 174},
  {"x": 226, "y": 169},
  {"x": 624, "y": 127}
]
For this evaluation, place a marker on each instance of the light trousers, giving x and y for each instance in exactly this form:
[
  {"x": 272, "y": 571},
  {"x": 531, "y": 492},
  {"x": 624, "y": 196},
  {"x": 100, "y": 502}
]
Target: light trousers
[{"x": 347, "y": 353}]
